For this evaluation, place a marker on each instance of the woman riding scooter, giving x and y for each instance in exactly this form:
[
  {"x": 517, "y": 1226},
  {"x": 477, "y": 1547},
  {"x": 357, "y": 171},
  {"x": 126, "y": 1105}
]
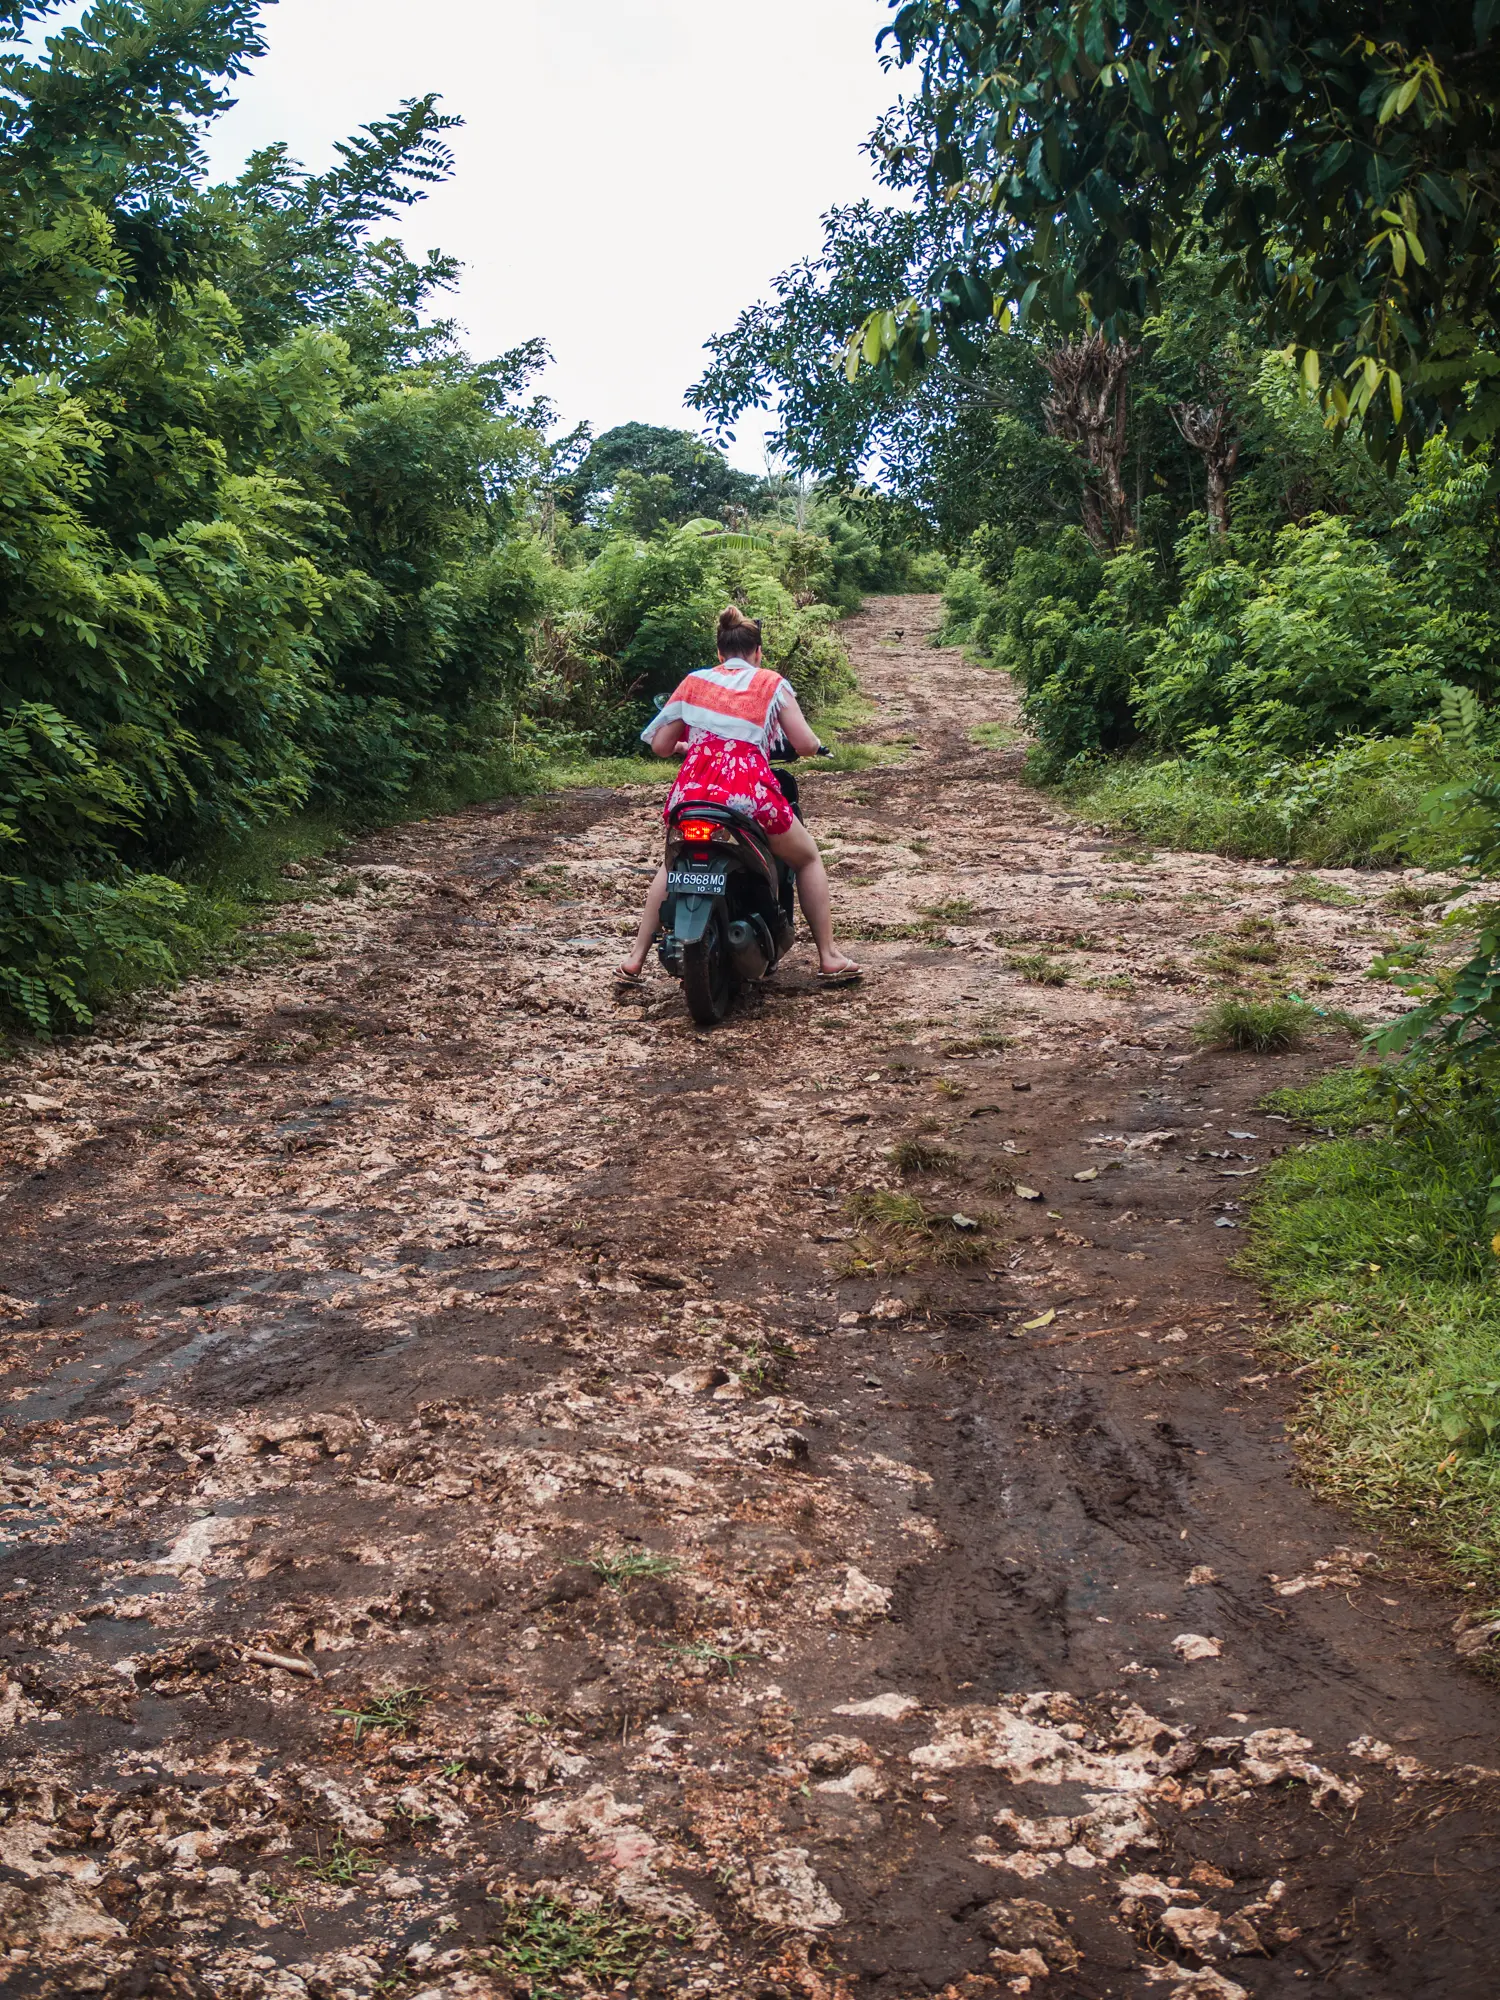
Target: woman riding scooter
[{"x": 722, "y": 720}]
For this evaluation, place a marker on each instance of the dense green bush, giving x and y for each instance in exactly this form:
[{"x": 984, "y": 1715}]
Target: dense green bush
[
  {"x": 1281, "y": 671},
  {"x": 264, "y": 537},
  {"x": 641, "y": 615}
]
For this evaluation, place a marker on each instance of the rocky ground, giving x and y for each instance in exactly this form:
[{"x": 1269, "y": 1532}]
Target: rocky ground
[{"x": 512, "y": 1494}]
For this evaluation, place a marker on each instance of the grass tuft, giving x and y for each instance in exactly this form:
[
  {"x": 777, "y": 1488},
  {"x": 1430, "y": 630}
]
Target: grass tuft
[
  {"x": 1263, "y": 1027},
  {"x": 1037, "y": 969},
  {"x": 342, "y": 1865},
  {"x": 900, "y": 1234},
  {"x": 625, "y": 1566},
  {"x": 1313, "y": 889},
  {"x": 396, "y": 1713},
  {"x": 994, "y": 735},
  {"x": 1413, "y": 898},
  {"x": 557, "y": 1952},
  {"x": 916, "y": 1155}
]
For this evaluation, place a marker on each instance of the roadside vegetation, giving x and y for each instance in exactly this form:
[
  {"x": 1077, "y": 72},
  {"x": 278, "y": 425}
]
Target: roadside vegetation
[
  {"x": 1179, "y": 336},
  {"x": 280, "y": 559},
  {"x": 1376, "y": 1235}
]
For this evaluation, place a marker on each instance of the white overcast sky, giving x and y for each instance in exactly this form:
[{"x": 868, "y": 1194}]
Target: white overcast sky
[{"x": 631, "y": 173}]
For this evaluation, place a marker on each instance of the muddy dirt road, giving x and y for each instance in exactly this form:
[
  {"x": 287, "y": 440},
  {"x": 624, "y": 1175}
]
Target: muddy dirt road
[{"x": 510, "y": 1493}]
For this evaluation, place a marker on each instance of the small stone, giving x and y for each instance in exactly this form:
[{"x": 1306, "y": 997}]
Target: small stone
[
  {"x": 1017, "y": 1963},
  {"x": 859, "y": 1598},
  {"x": 863, "y": 1782},
  {"x": 834, "y": 1753},
  {"x": 785, "y": 1891},
  {"x": 696, "y": 1381},
  {"x": 886, "y": 1707},
  {"x": 1201, "y": 1574},
  {"x": 1194, "y": 1646},
  {"x": 1207, "y": 1876}
]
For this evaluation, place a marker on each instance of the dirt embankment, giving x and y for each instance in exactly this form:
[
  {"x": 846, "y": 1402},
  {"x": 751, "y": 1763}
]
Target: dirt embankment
[{"x": 497, "y": 1474}]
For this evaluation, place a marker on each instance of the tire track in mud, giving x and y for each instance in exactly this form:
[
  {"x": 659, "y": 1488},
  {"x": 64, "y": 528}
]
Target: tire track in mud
[{"x": 834, "y": 1590}]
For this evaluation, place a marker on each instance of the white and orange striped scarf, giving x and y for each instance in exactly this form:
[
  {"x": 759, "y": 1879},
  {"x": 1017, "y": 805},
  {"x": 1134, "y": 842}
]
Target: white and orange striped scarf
[{"x": 734, "y": 699}]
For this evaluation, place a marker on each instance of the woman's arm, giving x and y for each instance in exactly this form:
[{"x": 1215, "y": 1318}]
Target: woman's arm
[
  {"x": 668, "y": 739},
  {"x": 794, "y": 727}
]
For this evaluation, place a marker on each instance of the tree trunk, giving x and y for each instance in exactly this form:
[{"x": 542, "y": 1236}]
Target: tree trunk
[
  {"x": 1088, "y": 407},
  {"x": 1207, "y": 428}
]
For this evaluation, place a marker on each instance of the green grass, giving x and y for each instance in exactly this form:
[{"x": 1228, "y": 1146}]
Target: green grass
[
  {"x": 916, "y": 1155},
  {"x": 624, "y": 1566},
  {"x": 557, "y": 1952},
  {"x": 1313, "y": 889},
  {"x": 899, "y": 1234},
  {"x": 705, "y": 1654},
  {"x": 994, "y": 735},
  {"x": 1263, "y": 1027},
  {"x": 342, "y": 1865},
  {"x": 1037, "y": 969},
  {"x": 1377, "y": 1245},
  {"x": 568, "y": 774},
  {"x": 1415, "y": 898},
  {"x": 1233, "y": 955},
  {"x": 396, "y": 1713},
  {"x": 1362, "y": 806}
]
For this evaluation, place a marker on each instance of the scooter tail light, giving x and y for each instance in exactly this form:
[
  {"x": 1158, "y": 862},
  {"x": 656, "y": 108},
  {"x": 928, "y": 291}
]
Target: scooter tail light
[{"x": 703, "y": 829}]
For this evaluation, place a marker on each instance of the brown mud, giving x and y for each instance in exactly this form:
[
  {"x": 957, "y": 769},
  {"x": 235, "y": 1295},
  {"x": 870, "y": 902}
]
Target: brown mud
[{"x": 847, "y": 1599}]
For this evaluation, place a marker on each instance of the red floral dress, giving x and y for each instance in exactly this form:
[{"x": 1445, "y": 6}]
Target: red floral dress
[{"x": 723, "y": 772}]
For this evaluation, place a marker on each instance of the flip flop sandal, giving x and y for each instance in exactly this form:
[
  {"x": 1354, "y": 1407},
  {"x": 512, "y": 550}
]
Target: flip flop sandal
[
  {"x": 849, "y": 976},
  {"x": 624, "y": 978}
]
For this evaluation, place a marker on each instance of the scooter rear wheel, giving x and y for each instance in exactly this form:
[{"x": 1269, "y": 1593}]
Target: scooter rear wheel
[{"x": 707, "y": 976}]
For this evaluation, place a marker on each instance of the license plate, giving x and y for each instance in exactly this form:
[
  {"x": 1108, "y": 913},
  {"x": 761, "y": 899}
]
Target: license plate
[{"x": 697, "y": 881}]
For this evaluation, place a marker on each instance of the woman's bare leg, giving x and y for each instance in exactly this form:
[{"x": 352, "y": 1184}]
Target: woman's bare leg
[
  {"x": 656, "y": 895},
  {"x": 798, "y": 847}
]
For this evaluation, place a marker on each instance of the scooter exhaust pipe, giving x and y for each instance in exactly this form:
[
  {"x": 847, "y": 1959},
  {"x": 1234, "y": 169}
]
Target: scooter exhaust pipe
[{"x": 748, "y": 951}]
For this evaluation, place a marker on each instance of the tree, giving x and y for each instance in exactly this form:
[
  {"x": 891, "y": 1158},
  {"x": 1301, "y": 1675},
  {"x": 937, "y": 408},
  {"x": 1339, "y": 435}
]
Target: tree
[
  {"x": 930, "y": 445},
  {"x": 1210, "y": 429},
  {"x": 702, "y": 481},
  {"x": 1343, "y": 159},
  {"x": 1089, "y": 407},
  {"x": 264, "y": 535}
]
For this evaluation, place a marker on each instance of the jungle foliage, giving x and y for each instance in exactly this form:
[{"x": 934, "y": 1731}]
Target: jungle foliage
[
  {"x": 270, "y": 542},
  {"x": 1180, "y": 338},
  {"x": 1339, "y": 162},
  {"x": 261, "y": 523}
]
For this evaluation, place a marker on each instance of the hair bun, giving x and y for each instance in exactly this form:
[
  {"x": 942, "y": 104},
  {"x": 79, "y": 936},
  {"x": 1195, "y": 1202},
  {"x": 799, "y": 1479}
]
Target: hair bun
[{"x": 738, "y": 636}]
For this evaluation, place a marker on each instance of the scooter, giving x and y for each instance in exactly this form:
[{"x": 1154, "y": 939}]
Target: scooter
[{"x": 730, "y": 909}]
